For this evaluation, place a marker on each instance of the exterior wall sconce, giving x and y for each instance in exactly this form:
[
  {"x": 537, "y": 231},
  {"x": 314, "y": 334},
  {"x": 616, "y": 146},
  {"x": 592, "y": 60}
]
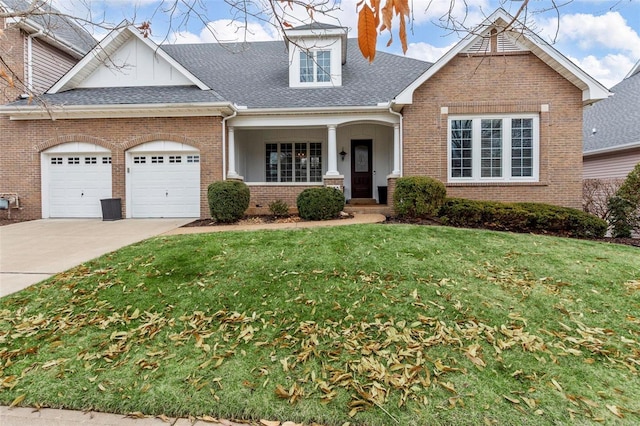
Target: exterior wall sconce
[{"x": 342, "y": 154}]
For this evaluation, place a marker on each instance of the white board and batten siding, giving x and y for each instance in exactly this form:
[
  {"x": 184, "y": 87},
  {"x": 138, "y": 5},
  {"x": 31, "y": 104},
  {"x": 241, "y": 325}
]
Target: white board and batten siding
[
  {"x": 163, "y": 180},
  {"x": 134, "y": 64},
  {"x": 610, "y": 166},
  {"x": 75, "y": 177}
]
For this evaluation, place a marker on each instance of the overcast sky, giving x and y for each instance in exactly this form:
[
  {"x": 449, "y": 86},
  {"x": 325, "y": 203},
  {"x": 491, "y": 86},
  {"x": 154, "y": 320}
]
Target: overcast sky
[{"x": 601, "y": 36}]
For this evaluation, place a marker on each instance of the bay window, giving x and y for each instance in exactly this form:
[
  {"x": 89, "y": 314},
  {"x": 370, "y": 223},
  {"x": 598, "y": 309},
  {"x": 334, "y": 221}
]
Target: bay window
[{"x": 493, "y": 148}]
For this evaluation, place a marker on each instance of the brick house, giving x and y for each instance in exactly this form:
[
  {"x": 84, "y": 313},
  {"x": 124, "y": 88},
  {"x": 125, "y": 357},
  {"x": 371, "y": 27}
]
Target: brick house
[{"x": 498, "y": 117}]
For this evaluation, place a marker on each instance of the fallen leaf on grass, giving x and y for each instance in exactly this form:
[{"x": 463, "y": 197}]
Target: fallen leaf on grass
[
  {"x": 510, "y": 399},
  {"x": 269, "y": 422},
  {"x": 616, "y": 411},
  {"x": 18, "y": 400}
]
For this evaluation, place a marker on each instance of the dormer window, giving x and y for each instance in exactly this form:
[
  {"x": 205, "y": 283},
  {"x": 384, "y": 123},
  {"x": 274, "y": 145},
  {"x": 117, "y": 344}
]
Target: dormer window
[
  {"x": 315, "y": 66},
  {"x": 316, "y": 54}
]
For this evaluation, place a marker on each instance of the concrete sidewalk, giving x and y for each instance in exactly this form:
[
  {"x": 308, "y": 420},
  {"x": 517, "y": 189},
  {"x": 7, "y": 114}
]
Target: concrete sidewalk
[
  {"x": 35, "y": 250},
  {"x": 20, "y": 416}
]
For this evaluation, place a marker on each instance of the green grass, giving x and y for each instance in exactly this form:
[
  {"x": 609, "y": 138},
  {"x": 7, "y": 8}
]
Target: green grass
[{"x": 373, "y": 324}]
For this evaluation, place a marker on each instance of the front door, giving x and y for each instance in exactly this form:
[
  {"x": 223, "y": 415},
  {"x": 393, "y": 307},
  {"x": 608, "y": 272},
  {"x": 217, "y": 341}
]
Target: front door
[{"x": 361, "y": 176}]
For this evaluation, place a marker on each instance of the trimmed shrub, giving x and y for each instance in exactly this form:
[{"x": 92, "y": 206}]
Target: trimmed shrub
[
  {"x": 624, "y": 216},
  {"x": 279, "y": 208},
  {"x": 320, "y": 203},
  {"x": 522, "y": 217},
  {"x": 228, "y": 200},
  {"x": 418, "y": 197}
]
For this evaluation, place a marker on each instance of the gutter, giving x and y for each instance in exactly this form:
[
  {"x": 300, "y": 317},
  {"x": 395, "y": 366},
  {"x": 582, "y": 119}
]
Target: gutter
[
  {"x": 43, "y": 112},
  {"x": 312, "y": 110},
  {"x": 224, "y": 140},
  {"x": 391, "y": 104},
  {"x": 64, "y": 45},
  {"x": 618, "y": 148}
]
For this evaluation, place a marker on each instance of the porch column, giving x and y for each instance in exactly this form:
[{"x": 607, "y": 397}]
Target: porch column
[
  {"x": 332, "y": 163},
  {"x": 232, "y": 174},
  {"x": 396, "y": 150}
]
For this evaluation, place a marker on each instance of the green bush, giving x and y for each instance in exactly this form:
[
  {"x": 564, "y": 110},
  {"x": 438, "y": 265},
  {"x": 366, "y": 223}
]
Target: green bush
[
  {"x": 320, "y": 203},
  {"x": 624, "y": 205},
  {"x": 279, "y": 208},
  {"x": 522, "y": 217},
  {"x": 228, "y": 200},
  {"x": 418, "y": 197}
]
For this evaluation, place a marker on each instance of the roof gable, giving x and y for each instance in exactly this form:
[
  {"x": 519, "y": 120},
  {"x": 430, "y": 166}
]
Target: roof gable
[
  {"x": 126, "y": 59},
  {"x": 511, "y": 40}
]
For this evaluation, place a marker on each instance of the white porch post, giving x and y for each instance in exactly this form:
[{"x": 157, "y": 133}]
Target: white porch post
[
  {"x": 396, "y": 150},
  {"x": 332, "y": 163},
  {"x": 232, "y": 174}
]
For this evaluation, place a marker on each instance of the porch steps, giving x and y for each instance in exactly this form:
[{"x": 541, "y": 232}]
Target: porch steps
[
  {"x": 368, "y": 209},
  {"x": 362, "y": 201}
]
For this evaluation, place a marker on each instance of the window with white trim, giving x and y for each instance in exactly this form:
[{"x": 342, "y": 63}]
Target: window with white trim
[
  {"x": 293, "y": 162},
  {"x": 315, "y": 66},
  {"x": 502, "y": 148}
]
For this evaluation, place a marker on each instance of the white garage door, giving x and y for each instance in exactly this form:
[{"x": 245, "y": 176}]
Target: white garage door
[
  {"x": 164, "y": 184},
  {"x": 74, "y": 183}
]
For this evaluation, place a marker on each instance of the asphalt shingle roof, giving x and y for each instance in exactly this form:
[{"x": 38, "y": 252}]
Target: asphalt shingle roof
[
  {"x": 256, "y": 75},
  {"x": 130, "y": 96},
  {"x": 616, "y": 119}
]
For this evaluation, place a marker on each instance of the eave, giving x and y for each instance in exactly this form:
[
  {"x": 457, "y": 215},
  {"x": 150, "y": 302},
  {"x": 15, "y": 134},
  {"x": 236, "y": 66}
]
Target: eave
[
  {"x": 32, "y": 27},
  {"x": 67, "y": 112},
  {"x": 611, "y": 150}
]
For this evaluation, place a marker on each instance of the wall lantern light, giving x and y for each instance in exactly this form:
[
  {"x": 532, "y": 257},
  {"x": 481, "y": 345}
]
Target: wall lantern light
[{"x": 342, "y": 154}]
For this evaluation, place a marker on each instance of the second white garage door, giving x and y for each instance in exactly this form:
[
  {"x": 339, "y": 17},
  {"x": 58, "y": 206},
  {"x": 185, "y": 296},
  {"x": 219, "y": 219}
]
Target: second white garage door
[{"x": 163, "y": 180}]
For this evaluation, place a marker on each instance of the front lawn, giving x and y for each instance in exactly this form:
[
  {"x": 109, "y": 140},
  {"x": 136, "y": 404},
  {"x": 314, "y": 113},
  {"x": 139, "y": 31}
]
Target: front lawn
[{"x": 371, "y": 324}]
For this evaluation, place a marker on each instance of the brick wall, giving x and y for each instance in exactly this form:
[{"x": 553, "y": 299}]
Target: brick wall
[
  {"x": 504, "y": 83},
  {"x": 263, "y": 195},
  {"x": 23, "y": 141},
  {"x": 12, "y": 51}
]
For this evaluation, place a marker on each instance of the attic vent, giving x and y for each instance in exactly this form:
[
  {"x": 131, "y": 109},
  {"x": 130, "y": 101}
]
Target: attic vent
[
  {"x": 507, "y": 44},
  {"x": 482, "y": 45}
]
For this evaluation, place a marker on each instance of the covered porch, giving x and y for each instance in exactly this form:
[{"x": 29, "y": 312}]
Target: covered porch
[{"x": 279, "y": 158}]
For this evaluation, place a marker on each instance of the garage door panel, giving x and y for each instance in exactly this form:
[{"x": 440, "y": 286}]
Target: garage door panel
[
  {"x": 77, "y": 183},
  {"x": 165, "y": 185}
]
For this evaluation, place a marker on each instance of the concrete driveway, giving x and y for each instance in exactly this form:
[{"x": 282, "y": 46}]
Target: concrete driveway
[{"x": 33, "y": 251}]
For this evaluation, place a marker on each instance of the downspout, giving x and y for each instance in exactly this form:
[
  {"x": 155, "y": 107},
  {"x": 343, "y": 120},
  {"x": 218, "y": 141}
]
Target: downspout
[
  {"x": 224, "y": 141},
  {"x": 401, "y": 132},
  {"x": 30, "y": 38}
]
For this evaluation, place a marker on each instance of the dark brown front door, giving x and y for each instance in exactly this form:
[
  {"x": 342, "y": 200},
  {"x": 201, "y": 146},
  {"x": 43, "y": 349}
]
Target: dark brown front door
[{"x": 361, "y": 176}]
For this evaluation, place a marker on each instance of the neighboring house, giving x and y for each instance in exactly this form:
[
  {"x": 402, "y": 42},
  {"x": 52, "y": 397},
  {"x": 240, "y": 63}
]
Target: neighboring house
[
  {"x": 499, "y": 117},
  {"x": 38, "y": 49},
  {"x": 612, "y": 132}
]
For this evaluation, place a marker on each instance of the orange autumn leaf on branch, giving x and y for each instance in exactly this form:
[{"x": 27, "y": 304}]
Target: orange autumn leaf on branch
[
  {"x": 367, "y": 32},
  {"x": 371, "y": 13}
]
